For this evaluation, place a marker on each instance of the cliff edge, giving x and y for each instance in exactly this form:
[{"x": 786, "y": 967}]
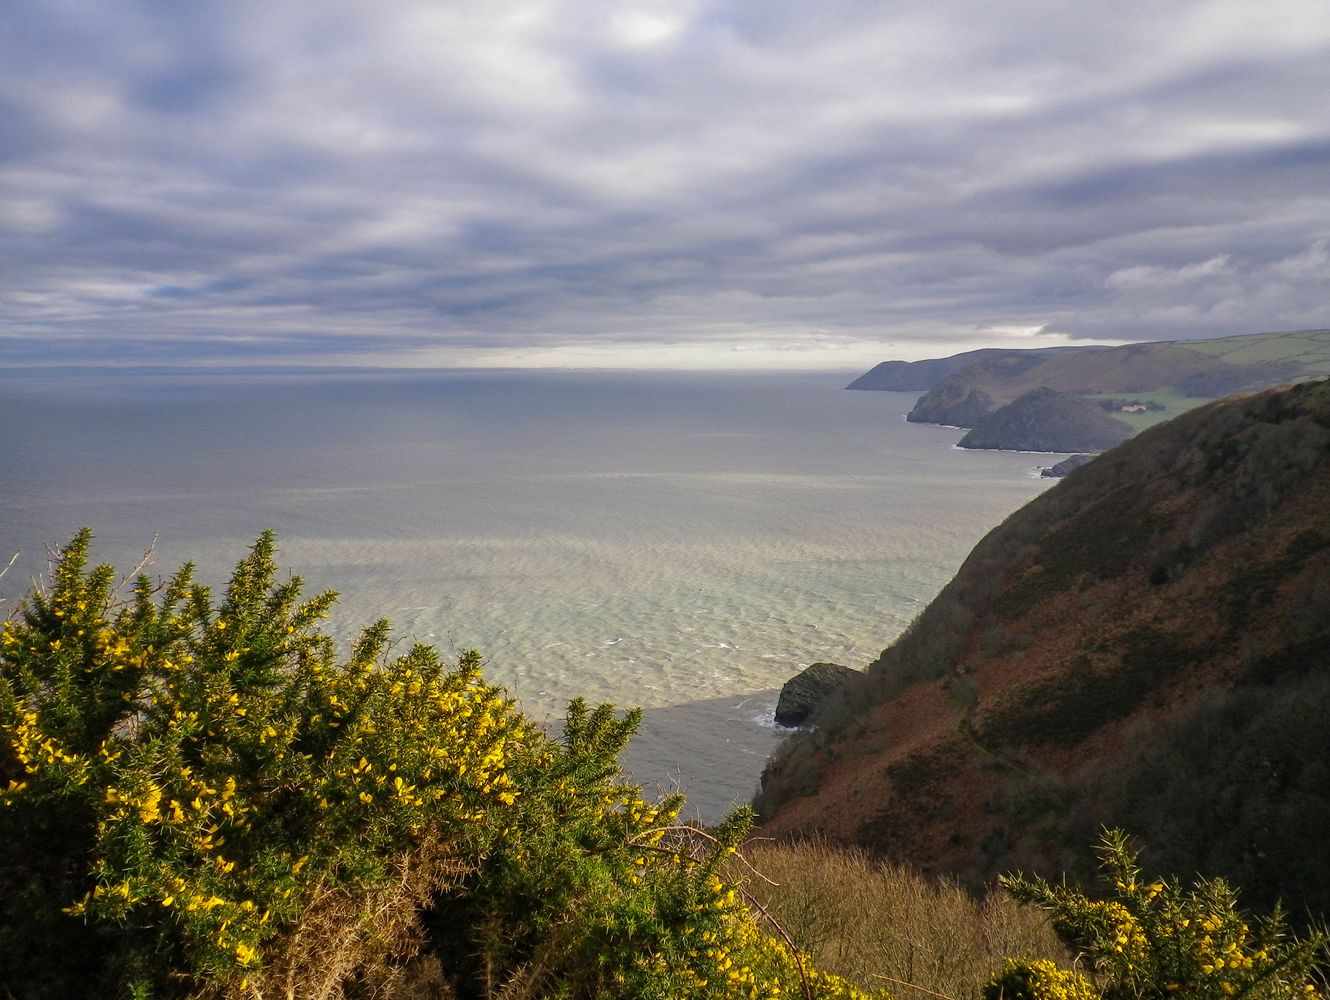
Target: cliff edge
[{"x": 1147, "y": 644}]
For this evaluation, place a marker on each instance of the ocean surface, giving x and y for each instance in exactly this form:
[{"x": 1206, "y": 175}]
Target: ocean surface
[{"x": 684, "y": 542}]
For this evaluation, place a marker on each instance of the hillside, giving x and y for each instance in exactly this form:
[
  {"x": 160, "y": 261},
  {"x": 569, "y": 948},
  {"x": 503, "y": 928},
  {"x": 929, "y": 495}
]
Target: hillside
[
  {"x": 1172, "y": 376},
  {"x": 920, "y": 376},
  {"x": 1147, "y": 644},
  {"x": 1048, "y": 420}
]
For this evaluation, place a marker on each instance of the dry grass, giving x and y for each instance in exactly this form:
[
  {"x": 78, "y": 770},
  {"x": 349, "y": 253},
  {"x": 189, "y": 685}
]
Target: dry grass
[
  {"x": 349, "y": 946},
  {"x": 881, "y": 924}
]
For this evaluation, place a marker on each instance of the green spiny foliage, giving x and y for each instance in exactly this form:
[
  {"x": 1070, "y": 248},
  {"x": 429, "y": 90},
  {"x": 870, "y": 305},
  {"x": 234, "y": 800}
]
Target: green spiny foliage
[
  {"x": 201, "y": 799},
  {"x": 1148, "y": 940},
  {"x": 208, "y": 773},
  {"x": 1037, "y": 979}
]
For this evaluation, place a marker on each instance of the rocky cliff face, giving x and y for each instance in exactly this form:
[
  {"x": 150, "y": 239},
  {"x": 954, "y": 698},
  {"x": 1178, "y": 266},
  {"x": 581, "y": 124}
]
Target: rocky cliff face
[
  {"x": 968, "y": 395},
  {"x": 1146, "y": 644},
  {"x": 963, "y": 406},
  {"x": 1047, "y": 420},
  {"x": 803, "y": 692}
]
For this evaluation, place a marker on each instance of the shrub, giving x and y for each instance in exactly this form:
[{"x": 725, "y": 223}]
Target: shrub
[
  {"x": 187, "y": 781},
  {"x": 1037, "y": 979},
  {"x": 201, "y": 799},
  {"x": 1158, "y": 939}
]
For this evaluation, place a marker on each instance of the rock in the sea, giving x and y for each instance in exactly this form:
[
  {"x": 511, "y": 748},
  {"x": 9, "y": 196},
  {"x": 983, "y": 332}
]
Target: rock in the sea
[
  {"x": 807, "y": 689},
  {"x": 1066, "y": 465}
]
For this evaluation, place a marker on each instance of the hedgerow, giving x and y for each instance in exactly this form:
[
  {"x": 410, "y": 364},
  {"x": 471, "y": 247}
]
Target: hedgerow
[{"x": 200, "y": 798}]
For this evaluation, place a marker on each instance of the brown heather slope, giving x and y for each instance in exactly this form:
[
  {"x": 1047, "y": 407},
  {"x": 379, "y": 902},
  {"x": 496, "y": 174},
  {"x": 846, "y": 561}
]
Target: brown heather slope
[{"x": 1147, "y": 644}]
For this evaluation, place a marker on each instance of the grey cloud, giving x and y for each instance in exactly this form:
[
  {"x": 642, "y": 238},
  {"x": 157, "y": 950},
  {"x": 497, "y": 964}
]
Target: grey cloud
[{"x": 294, "y": 181}]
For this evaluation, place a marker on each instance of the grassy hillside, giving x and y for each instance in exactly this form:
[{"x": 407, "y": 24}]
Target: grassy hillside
[
  {"x": 1308, "y": 348},
  {"x": 1148, "y": 643}
]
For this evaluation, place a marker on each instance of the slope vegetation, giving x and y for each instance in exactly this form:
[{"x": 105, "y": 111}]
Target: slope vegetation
[{"x": 1147, "y": 644}]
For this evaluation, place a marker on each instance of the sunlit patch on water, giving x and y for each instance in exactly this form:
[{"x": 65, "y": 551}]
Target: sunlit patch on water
[{"x": 682, "y": 543}]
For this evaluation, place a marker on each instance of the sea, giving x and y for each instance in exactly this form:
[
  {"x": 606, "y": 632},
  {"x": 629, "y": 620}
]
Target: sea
[{"x": 682, "y": 542}]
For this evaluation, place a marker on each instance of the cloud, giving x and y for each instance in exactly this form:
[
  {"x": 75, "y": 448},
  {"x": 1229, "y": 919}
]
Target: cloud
[
  {"x": 1312, "y": 265},
  {"x": 291, "y": 182},
  {"x": 1148, "y": 276}
]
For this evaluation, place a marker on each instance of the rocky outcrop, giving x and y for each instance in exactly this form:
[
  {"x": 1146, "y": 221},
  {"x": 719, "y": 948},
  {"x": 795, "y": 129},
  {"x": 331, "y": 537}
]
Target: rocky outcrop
[
  {"x": 967, "y": 396},
  {"x": 1068, "y": 464},
  {"x": 807, "y": 689},
  {"x": 1047, "y": 420},
  {"x": 964, "y": 408}
]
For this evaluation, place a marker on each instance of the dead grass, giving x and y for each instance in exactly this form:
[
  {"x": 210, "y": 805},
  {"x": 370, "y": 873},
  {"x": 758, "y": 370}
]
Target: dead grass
[
  {"x": 882, "y": 924},
  {"x": 349, "y": 946}
]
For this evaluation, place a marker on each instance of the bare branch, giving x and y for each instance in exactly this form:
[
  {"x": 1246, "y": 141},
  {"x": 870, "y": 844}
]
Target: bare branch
[
  {"x": 789, "y": 942},
  {"x": 148, "y": 555},
  {"x": 693, "y": 831},
  {"x": 8, "y": 567},
  {"x": 921, "y": 989}
]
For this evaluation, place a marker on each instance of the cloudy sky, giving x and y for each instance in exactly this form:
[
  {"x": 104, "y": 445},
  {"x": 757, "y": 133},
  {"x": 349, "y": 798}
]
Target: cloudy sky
[{"x": 689, "y": 182}]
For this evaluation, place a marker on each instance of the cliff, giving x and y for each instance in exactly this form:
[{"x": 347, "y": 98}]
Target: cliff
[
  {"x": 1147, "y": 644},
  {"x": 1047, "y": 420}
]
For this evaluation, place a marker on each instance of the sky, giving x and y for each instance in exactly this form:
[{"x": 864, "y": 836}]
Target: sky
[{"x": 692, "y": 183}]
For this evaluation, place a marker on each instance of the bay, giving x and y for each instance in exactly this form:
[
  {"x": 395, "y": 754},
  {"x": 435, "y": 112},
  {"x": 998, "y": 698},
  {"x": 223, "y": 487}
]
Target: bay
[{"x": 683, "y": 542}]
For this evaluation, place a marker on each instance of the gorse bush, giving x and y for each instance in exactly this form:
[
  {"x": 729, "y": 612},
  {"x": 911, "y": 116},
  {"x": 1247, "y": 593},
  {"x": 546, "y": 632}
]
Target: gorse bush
[
  {"x": 200, "y": 798},
  {"x": 198, "y": 778},
  {"x": 1037, "y": 979},
  {"x": 1148, "y": 940}
]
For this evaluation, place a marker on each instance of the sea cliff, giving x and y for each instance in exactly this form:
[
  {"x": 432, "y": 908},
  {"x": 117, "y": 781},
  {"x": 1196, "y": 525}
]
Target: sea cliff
[{"x": 1146, "y": 644}]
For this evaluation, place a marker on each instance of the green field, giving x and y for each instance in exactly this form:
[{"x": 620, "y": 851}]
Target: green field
[
  {"x": 1172, "y": 401},
  {"x": 1309, "y": 348}
]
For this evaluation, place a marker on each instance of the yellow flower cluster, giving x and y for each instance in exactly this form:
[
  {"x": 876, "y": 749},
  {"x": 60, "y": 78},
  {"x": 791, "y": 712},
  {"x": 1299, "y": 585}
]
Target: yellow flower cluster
[
  {"x": 1037, "y": 979},
  {"x": 447, "y": 733},
  {"x": 34, "y": 750},
  {"x": 730, "y": 956},
  {"x": 1128, "y": 938}
]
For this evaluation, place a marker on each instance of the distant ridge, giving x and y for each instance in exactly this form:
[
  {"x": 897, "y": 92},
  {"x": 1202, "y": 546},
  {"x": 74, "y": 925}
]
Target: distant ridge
[
  {"x": 1158, "y": 380},
  {"x": 1147, "y": 644},
  {"x": 920, "y": 376}
]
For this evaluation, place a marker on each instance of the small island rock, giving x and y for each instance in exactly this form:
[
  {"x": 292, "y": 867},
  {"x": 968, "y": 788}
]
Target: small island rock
[
  {"x": 807, "y": 689},
  {"x": 1066, "y": 465}
]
